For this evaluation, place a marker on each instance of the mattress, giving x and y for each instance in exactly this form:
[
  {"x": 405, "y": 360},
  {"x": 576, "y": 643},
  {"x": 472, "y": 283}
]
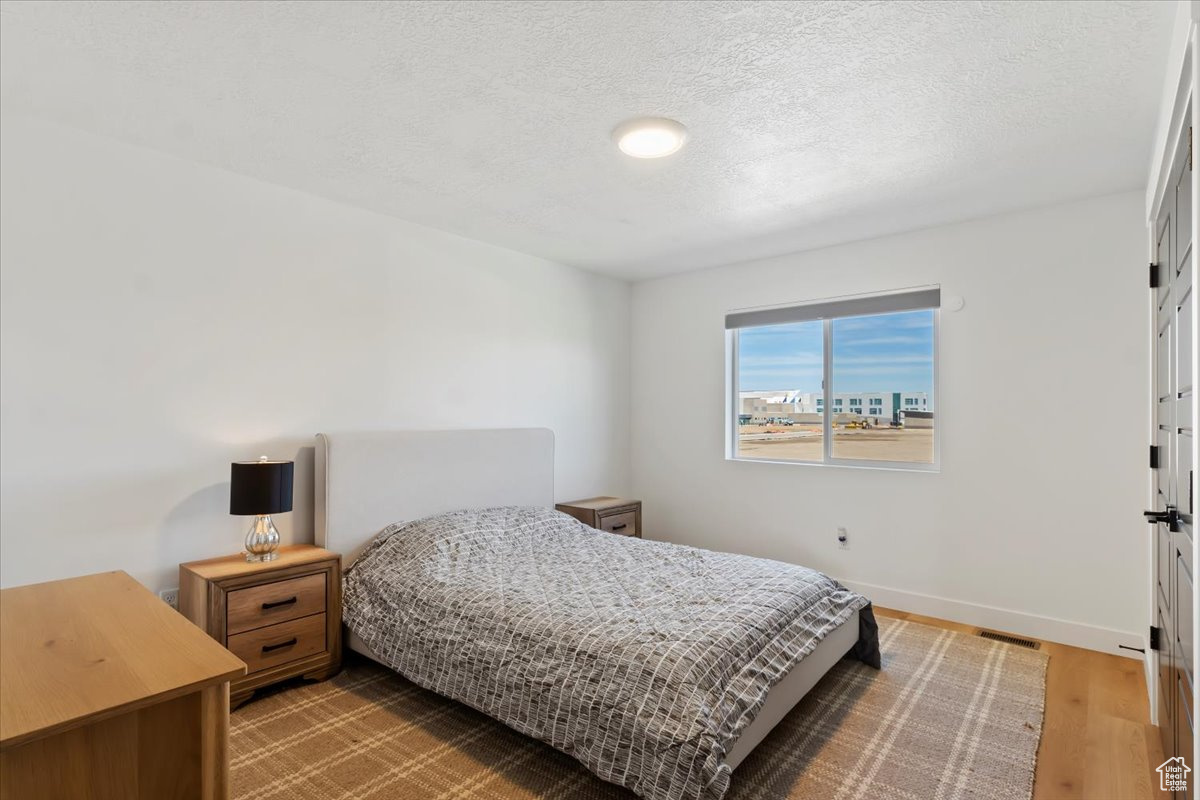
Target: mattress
[{"x": 644, "y": 660}]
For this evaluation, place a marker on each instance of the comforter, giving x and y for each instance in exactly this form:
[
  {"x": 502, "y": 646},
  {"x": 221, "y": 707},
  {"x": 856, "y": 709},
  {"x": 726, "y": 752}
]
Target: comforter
[{"x": 643, "y": 660}]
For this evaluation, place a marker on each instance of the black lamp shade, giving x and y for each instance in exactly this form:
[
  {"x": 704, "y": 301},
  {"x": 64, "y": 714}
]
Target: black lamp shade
[{"x": 260, "y": 487}]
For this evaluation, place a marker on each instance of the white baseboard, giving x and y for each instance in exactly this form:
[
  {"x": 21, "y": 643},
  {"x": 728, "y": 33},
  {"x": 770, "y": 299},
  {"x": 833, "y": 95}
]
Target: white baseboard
[{"x": 1048, "y": 629}]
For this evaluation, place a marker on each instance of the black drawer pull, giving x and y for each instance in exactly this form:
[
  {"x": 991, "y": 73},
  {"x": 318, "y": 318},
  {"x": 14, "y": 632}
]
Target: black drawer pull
[
  {"x": 269, "y": 647},
  {"x": 620, "y": 527},
  {"x": 278, "y": 603}
]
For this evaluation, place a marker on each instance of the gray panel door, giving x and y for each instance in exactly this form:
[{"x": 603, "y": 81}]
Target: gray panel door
[{"x": 1174, "y": 593}]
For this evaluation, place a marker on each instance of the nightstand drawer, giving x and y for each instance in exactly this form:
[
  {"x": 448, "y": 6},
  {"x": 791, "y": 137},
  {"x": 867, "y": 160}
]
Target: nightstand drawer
[
  {"x": 270, "y": 603},
  {"x": 279, "y": 644},
  {"x": 625, "y": 524}
]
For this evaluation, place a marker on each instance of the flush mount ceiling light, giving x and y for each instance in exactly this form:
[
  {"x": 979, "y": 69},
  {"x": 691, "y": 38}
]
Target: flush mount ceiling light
[{"x": 650, "y": 137}]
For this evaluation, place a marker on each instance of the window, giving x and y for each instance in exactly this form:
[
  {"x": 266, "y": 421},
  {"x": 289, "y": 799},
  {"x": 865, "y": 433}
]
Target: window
[
  {"x": 778, "y": 361},
  {"x": 878, "y": 348}
]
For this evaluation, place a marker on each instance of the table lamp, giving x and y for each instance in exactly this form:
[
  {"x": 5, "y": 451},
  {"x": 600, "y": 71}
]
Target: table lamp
[{"x": 261, "y": 488}]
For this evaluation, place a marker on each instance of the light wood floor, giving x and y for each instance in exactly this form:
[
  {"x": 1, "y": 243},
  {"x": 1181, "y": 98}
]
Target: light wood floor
[{"x": 1097, "y": 740}]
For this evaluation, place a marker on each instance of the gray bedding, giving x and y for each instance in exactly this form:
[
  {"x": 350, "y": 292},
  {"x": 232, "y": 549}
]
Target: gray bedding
[{"x": 644, "y": 660}]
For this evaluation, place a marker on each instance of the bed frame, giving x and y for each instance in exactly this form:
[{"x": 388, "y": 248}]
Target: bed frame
[{"x": 366, "y": 481}]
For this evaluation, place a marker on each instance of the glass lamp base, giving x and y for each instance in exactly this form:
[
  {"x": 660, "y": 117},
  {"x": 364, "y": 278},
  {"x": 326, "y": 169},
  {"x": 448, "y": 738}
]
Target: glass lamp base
[{"x": 263, "y": 540}]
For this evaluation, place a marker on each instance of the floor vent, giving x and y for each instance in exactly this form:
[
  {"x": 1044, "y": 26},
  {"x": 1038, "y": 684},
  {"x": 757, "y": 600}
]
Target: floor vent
[{"x": 1008, "y": 639}]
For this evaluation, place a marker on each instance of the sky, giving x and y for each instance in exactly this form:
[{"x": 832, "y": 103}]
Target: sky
[{"x": 880, "y": 353}]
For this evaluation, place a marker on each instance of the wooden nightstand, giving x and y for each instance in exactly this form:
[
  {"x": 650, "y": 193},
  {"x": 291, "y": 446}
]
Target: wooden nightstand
[
  {"x": 610, "y": 514},
  {"x": 282, "y": 617}
]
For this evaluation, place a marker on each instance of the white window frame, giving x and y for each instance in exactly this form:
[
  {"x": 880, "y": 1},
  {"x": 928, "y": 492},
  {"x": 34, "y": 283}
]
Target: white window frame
[{"x": 733, "y": 404}]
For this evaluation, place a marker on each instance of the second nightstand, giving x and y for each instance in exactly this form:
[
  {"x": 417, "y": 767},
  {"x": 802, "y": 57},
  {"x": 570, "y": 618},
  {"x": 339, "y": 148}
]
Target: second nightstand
[
  {"x": 611, "y": 514},
  {"x": 282, "y": 617}
]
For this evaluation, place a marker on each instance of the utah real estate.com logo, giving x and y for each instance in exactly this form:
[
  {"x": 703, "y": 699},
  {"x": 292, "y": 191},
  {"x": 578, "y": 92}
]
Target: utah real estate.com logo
[{"x": 1172, "y": 775}]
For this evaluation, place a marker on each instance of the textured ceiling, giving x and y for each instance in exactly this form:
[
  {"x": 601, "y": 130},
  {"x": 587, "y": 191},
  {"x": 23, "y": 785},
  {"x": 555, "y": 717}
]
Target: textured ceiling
[{"x": 810, "y": 123}]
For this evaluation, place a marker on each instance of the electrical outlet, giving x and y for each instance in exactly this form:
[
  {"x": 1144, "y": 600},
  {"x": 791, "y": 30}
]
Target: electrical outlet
[
  {"x": 843, "y": 539},
  {"x": 170, "y": 597}
]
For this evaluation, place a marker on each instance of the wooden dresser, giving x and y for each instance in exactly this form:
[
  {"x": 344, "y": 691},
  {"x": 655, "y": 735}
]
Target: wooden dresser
[
  {"x": 611, "y": 514},
  {"x": 282, "y": 617},
  {"x": 106, "y": 692}
]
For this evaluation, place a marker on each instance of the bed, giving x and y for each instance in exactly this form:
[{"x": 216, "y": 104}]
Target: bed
[{"x": 481, "y": 498}]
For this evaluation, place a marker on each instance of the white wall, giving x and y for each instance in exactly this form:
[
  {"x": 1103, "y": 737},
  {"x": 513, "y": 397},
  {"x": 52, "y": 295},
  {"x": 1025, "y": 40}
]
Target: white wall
[
  {"x": 1033, "y": 523},
  {"x": 160, "y": 319}
]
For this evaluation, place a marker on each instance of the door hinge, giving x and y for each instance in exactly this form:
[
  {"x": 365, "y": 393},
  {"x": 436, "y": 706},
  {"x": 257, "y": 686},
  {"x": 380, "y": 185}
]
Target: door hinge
[
  {"x": 1155, "y": 637},
  {"x": 1189, "y": 148},
  {"x": 1153, "y": 456},
  {"x": 1154, "y": 276}
]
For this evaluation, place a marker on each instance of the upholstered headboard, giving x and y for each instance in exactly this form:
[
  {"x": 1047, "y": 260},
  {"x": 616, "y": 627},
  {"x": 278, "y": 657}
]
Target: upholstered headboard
[{"x": 366, "y": 481}]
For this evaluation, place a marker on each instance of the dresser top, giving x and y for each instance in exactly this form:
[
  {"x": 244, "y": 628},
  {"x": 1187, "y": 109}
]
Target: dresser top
[
  {"x": 600, "y": 503},
  {"x": 84, "y": 649},
  {"x": 291, "y": 555}
]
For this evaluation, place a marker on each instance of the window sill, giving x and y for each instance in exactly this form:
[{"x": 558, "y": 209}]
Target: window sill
[{"x": 882, "y": 466}]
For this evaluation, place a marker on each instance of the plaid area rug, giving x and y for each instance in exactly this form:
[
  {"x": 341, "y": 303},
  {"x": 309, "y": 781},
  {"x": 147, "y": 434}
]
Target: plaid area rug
[{"x": 949, "y": 716}]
